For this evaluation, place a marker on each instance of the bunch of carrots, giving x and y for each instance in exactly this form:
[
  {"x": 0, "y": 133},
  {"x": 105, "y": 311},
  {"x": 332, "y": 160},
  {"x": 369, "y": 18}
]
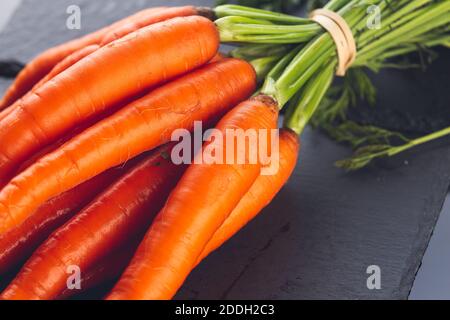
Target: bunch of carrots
[{"x": 86, "y": 176}]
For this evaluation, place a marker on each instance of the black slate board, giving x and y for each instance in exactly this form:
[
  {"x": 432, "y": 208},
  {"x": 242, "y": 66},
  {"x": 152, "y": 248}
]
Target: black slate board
[{"x": 326, "y": 227}]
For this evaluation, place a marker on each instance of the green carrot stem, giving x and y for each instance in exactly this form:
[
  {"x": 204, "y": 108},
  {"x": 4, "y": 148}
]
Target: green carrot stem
[
  {"x": 242, "y": 11},
  {"x": 278, "y": 69},
  {"x": 392, "y": 20},
  {"x": 297, "y": 73},
  {"x": 432, "y": 17},
  {"x": 307, "y": 101},
  {"x": 309, "y": 60},
  {"x": 253, "y": 51},
  {"x": 263, "y": 66},
  {"x": 413, "y": 143},
  {"x": 243, "y": 29}
]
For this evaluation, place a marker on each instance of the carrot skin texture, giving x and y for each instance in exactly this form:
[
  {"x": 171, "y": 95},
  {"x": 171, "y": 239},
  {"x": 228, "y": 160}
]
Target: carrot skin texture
[
  {"x": 83, "y": 90},
  {"x": 121, "y": 212},
  {"x": 18, "y": 244},
  {"x": 260, "y": 194},
  {"x": 41, "y": 65},
  {"x": 138, "y": 127},
  {"x": 56, "y": 145},
  {"x": 67, "y": 62},
  {"x": 195, "y": 210},
  {"x": 5, "y": 112}
]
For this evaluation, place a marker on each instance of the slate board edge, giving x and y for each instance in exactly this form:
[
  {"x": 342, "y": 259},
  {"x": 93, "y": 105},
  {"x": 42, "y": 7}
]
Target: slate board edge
[{"x": 409, "y": 277}]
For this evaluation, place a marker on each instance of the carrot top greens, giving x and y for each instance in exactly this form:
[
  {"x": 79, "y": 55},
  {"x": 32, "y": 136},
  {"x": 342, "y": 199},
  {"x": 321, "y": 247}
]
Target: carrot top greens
[{"x": 296, "y": 59}]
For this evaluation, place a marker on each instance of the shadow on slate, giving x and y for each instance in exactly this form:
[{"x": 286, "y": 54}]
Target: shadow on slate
[
  {"x": 317, "y": 238},
  {"x": 10, "y": 69}
]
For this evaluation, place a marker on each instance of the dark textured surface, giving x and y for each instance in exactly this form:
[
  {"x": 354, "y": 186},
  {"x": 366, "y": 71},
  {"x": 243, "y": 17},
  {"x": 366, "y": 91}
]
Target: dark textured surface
[
  {"x": 415, "y": 101},
  {"x": 10, "y": 69},
  {"x": 323, "y": 230}
]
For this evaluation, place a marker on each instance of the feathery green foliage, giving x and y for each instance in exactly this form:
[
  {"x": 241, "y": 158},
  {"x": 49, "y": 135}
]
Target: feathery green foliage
[
  {"x": 355, "y": 87},
  {"x": 380, "y": 146}
]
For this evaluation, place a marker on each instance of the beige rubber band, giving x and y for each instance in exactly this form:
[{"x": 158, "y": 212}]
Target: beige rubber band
[{"x": 342, "y": 36}]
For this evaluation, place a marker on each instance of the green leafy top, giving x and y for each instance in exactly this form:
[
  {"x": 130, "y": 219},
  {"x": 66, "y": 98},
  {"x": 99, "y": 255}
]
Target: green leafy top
[{"x": 300, "y": 76}]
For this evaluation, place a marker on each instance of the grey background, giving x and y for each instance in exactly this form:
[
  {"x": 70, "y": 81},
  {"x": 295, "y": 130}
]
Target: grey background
[
  {"x": 7, "y": 7},
  {"x": 433, "y": 278}
]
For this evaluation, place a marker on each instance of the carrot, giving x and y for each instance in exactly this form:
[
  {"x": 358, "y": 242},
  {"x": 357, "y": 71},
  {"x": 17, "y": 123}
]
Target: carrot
[
  {"x": 60, "y": 67},
  {"x": 260, "y": 194},
  {"x": 198, "y": 206},
  {"x": 205, "y": 94},
  {"x": 145, "y": 20},
  {"x": 5, "y": 112},
  {"x": 67, "y": 63},
  {"x": 56, "y": 145},
  {"x": 71, "y": 60},
  {"x": 18, "y": 244},
  {"x": 117, "y": 30},
  {"x": 43, "y": 63},
  {"x": 83, "y": 90},
  {"x": 122, "y": 212},
  {"x": 46, "y": 150},
  {"x": 105, "y": 271}
]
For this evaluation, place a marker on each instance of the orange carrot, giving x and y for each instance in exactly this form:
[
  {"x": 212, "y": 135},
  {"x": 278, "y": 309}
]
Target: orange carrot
[
  {"x": 5, "y": 112},
  {"x": 60, "y": 67},
  {"x": 56, "y": 145},
  {"x": 18, "y": 244},
  {"x": 205, "y": 94},
  {"x": 198, "y": 206},
  {"x": 260, "y": 194},
  {"x": 67, "y": 63},
  {"x": 71, "y": 60},
  {"x": 122, "y": 212},
  {"x": 103, "y": 79},
  {"x": 62, "y": 62},
  {"x": 144, "y": 20},
  {"x": 103, "y": 272},
  {"x": 42, "y": 64}
]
